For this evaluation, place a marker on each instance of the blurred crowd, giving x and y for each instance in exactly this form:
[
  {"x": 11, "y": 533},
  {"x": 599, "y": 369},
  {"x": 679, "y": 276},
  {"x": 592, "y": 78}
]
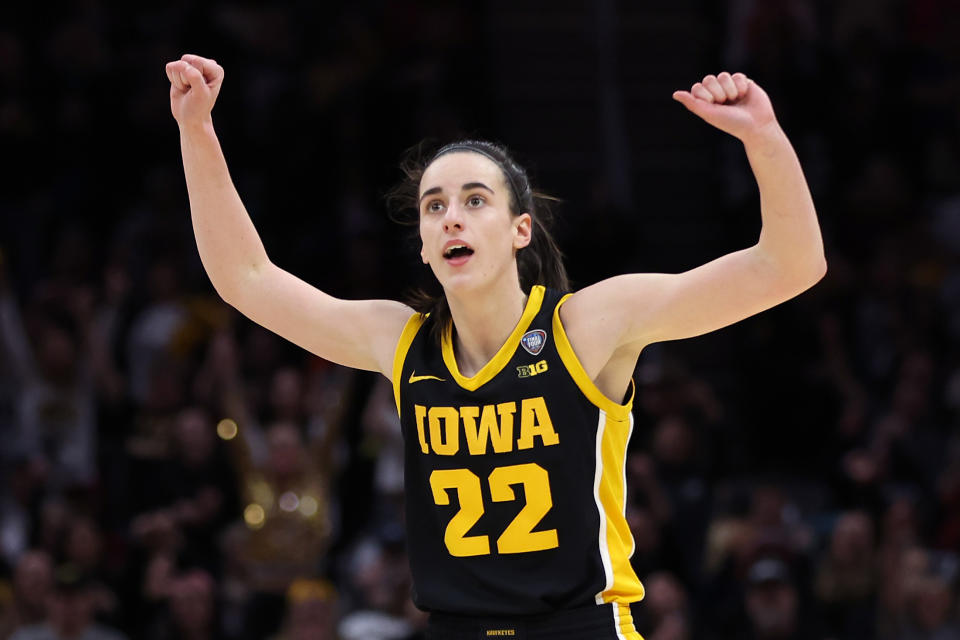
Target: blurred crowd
[{"x": 170, "y": 470}]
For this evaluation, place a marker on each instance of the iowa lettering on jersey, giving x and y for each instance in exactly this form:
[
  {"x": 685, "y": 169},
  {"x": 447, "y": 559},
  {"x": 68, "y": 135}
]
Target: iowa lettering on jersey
[{"x": 442, "y": 430}]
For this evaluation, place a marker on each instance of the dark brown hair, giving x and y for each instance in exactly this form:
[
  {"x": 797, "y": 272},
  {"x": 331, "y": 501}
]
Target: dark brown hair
[{"x": 540, "y": 262}]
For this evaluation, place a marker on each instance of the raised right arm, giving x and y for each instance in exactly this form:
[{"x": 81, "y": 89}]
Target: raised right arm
[{"x": 361, "y": 334}]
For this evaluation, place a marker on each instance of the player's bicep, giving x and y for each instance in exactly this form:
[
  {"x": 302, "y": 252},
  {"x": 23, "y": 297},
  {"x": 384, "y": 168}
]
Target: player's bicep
[
  {"x": 709, "y": 297},
  {"x": 653, "y": 307},
  {"x": 361, "y": 334}
]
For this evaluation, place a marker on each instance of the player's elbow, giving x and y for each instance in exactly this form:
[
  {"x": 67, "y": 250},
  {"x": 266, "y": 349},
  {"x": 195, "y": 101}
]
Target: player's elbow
[
  {"x": 803, "y": 275},
  {"x": 820, "y": 270},
  {"x": 808, "y": 269},
  {"x": 794, "y": 267},
  {"x": 242, "y": 287},
  {"x": 228, "y": 288},
  {"x": 816, "y": 267}
]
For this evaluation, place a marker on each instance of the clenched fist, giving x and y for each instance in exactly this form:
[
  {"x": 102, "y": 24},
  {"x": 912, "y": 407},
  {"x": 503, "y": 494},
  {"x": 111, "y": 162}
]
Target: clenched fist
[
  {"x": 194, "y": 87},
  {"x": 731, "y": 103}
]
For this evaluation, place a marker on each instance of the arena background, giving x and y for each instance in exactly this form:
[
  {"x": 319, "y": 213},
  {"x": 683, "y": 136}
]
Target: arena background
[{"x": 794, "y": 476}]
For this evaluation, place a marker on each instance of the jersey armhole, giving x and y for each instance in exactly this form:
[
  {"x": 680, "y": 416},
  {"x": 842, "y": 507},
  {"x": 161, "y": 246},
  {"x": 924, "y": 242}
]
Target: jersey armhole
[
  {"x": 403, "y": 346},
  {"x": 619, "y": 412}
]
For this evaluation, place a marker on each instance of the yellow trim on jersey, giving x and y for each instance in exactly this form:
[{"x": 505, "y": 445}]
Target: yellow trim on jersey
[
  {"x": 587, "y": 386},
  {"x": 623, "y": 618},
  {"x": 403, "y": 346},
  {"x": 613, "y": 434},
  {"x": 502, "y": 357},
  {"x": 623, "y": 585}
]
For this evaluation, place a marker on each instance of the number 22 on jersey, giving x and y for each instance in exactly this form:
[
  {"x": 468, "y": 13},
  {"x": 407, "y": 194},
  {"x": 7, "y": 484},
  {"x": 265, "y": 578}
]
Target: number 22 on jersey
[{"x": 519, "y": 536}]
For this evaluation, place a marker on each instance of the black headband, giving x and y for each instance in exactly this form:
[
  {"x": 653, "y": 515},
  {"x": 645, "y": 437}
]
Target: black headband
[{"x": 451, "y": 148}]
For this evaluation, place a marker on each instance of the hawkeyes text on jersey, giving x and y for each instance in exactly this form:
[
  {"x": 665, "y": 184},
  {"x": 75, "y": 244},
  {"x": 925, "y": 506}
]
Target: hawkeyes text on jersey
[{"x": 514, "y": 476}]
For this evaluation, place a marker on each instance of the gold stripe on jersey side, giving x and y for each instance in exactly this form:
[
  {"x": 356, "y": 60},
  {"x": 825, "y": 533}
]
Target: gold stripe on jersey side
[
  {"x": 623, "y": 618},
  {"x": 403, "y": 346},
  {"x": 503, "y": 356},
  {"x": 611, "y": 492}
]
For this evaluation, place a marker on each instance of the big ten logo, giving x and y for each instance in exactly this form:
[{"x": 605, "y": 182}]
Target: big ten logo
[{"x": 530, "y": 370}]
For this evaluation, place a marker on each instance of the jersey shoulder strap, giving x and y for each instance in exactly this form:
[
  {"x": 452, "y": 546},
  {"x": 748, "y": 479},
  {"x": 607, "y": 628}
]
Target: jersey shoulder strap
[
  {"x": 573, "y": 366},
  {"x": 410, "y": 330}
]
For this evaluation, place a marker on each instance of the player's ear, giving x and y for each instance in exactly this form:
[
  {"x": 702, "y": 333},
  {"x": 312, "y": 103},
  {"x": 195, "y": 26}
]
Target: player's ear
[
  {"x": 423, "y": 255},
  {"x": 522, "y": 230}
]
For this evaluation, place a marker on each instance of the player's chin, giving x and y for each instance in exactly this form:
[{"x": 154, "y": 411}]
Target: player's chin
[
  {"x": 455, "y": 282},
  {"x": 459, "y": 282}
]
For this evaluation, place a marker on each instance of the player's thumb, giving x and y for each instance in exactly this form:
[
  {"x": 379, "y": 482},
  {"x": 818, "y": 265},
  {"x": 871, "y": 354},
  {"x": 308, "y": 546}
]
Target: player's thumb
[
  {"x": 690, "y": 102},
  {"x": 710, "y": 112}
]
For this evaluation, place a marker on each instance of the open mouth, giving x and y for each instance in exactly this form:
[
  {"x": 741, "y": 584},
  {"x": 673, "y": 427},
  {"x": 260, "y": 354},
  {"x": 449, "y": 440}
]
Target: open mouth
[{"x": 455, "y": 251}]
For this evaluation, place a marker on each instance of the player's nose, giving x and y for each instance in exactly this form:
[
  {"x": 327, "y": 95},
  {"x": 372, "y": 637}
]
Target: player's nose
[{"x": 453, "y": 218}]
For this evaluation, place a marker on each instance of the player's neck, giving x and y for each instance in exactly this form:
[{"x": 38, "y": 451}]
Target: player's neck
[{"x": 483, "y": 322}]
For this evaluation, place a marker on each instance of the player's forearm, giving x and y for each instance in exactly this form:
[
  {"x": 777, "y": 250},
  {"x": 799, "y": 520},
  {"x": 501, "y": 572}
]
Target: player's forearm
[
  {"x": 229, "y": 246},
  {"x": 790, "y": 237}
]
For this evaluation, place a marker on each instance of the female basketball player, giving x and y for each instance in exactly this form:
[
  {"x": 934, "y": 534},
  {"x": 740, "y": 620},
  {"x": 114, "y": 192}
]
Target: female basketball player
[{"x": 514, "y": 397}]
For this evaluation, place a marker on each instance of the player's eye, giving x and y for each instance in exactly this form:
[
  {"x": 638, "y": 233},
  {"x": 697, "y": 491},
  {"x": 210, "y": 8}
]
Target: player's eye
[
  {"x": 475, "y": 201},
  {"x": 434, "y": 206}
]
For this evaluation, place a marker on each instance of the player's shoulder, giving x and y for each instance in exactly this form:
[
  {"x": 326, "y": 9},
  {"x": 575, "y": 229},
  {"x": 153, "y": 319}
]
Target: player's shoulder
[
  {"x": 594, "y": 320},
  {"x": 612, "y": 299},
  {"x": 587, "y": 307}
]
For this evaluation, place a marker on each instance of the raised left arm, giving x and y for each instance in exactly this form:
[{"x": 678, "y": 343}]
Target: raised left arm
[{"x": 630, "y": 311}]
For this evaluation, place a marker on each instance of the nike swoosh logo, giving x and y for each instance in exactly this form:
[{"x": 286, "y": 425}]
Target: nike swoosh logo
[{"x": 415, "y": 378}]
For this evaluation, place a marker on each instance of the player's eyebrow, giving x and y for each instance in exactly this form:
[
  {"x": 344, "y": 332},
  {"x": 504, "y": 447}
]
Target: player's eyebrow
[
  {"x": 466, "y": 187},
  {"x": 429, "y": 192},
  {"x": 475, "y": 185}
]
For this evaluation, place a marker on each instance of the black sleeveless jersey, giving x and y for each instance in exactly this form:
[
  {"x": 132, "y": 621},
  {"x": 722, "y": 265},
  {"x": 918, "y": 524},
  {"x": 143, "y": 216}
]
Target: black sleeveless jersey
[{"x": 515, "y": 486}]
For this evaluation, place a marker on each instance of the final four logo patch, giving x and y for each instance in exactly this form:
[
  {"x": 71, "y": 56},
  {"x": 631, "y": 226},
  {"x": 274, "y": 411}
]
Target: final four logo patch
[{"x": 533, "y": 341}]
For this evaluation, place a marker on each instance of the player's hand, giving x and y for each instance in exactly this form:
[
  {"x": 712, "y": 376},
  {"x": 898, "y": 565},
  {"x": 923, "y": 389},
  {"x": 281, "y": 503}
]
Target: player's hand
[
  {"x": 731, "y": 103},
  {"x": 194, "y": 86}
]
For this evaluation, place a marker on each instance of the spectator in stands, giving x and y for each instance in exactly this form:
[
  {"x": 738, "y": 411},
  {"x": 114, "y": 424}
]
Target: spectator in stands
[
  {"x": 83, "y": 548},
  {"x": 667, "y": 610},
  {"x": 773, "y": 603},
  {"x": 931, "y": 613},
  {"x": 54, "y": 422},
  {"x": 70, "y": 614},
  {"x": 154, "y": 329},
  {"x": 846, "y": 579},
  {"x": 32, "y": 585},
  {"x": 312, "y": 611},
  {"x": 948, "y": 493},
  {"x": 191, "y": 609},
  {"x": 381, "y": 427},
  {"x": 7, "y": 614},
  {"x": 380, "y": 575},
  {"x": 678, "y": 452},
  {"x": 23, "y": 485},
  {"x": 286, "y": 510}
]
